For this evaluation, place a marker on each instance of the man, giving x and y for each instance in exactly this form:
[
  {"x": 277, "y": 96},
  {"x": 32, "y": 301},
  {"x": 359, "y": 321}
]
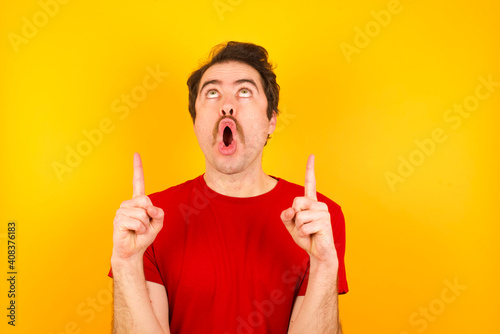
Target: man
[{"x": 234, "y": 250}]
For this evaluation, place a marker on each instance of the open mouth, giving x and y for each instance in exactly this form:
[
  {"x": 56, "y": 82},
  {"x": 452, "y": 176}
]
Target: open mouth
[{"x": 227, "y": 136}]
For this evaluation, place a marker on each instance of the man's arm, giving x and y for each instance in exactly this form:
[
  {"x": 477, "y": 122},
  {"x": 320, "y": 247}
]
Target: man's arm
[
  {"x": 139, "y": 307},
  {"x": 317, "y": 311},
  {"x": 309, "y": 224}
]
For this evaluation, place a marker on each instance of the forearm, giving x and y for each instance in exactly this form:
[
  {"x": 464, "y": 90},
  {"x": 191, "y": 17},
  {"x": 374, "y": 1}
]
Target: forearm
[
  {"x": 132, "y": 309},
  {"x": 319, "y": 312}
]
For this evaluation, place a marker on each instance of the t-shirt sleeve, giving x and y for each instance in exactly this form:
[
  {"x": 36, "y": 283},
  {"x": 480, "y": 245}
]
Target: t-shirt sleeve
[
  {"x": 151, "y": 270},
  {"x": 338, "y": 227}
]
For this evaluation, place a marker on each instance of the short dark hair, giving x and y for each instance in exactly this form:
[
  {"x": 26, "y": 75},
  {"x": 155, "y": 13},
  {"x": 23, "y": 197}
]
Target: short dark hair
[{"x": 248, "y": 53}]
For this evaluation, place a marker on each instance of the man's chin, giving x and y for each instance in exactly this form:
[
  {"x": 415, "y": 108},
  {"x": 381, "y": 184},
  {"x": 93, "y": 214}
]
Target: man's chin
[{"x": 229, "y": 165}]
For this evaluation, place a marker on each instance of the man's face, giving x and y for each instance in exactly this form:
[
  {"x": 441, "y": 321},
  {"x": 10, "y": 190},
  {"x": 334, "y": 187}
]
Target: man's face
[{"x": 231, "y": 122}]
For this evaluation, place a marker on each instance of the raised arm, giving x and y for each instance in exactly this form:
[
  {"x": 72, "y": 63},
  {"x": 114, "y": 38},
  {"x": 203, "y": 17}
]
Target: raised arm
[
  {"x": 138, "y": 306},
  {"x": 308, "y": 222}
]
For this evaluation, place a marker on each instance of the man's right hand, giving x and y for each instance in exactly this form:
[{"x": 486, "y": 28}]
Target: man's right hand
[{"x": 137, "y": 221}]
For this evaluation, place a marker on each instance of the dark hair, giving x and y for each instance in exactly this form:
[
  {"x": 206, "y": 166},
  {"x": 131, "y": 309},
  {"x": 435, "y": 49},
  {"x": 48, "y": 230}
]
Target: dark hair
[{"x": 248, "y": 53}]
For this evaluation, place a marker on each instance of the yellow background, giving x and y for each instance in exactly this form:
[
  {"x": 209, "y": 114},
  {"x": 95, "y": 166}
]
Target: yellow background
[{"x": 357, "y": 113}]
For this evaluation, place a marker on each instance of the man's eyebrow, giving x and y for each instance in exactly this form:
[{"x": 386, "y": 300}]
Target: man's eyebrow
[
  {"x": 237, "y": 82},
  {"x": 215, "y": 81}
]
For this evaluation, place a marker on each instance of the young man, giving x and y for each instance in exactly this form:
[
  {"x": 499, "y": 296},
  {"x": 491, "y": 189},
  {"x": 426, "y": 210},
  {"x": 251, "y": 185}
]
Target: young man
[{"x": 234, "y": 250}]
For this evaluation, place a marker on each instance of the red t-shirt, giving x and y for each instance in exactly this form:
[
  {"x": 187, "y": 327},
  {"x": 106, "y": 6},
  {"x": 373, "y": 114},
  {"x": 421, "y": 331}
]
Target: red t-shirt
[{"x": 228, "y": 264}]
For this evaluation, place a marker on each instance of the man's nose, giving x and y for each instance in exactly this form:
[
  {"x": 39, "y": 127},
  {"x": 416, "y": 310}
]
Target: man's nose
[
  {"x": 228, "y": 107},
  {"x": 227, "y": 111}
]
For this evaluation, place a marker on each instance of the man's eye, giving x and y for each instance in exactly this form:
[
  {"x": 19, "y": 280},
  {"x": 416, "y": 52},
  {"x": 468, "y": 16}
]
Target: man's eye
[
  {"x": 245, "y": 92},
  {"x": 212, "y": 93}
]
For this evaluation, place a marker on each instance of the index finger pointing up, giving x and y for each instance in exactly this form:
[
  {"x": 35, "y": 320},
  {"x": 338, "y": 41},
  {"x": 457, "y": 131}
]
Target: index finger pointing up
[
  {"x": 310, "y": 183},
  {"x": 138, "y": 176}
]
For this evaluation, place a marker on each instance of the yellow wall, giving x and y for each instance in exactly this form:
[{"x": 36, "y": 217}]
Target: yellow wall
[{"x": 358, "y": 100}]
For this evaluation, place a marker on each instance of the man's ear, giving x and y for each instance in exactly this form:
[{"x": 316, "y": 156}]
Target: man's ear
[{"x": 272, "y": 123}]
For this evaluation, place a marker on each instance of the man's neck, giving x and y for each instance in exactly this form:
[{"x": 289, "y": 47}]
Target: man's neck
[{"x": 248, "y": 183}]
